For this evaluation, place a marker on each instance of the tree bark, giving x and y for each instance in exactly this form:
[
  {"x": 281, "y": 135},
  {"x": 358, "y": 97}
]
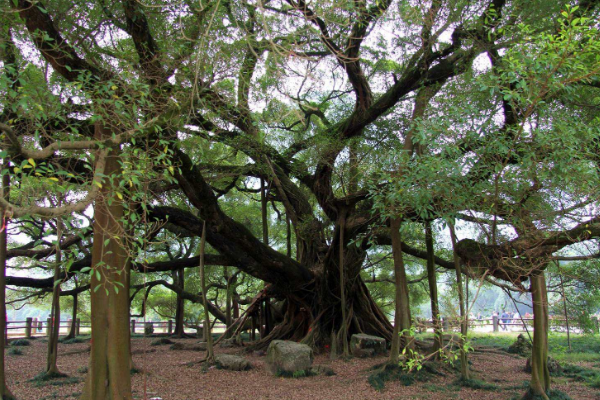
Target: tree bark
[
  {"x": 540, "y": 376},
  {"x": 210, "y": 355},
  {"x": 5, "y": 393},
  {"x": 73, "y": 329},
  {"x": 228, "y": 304},
  {"x": 180, "y": 308},
  {"x": 51, "y": 367},
  {"x": 433, "y": 295},
  {"x": 341, "y": 266},
  {"x": 402, "y": 317},
  {"x": 464, "y": 321},
  {"x": 109, "y": 376}
]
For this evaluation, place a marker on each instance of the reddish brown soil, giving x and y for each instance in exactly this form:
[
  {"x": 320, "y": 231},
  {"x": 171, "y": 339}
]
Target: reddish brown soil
[{"x": 169, "y": 378}]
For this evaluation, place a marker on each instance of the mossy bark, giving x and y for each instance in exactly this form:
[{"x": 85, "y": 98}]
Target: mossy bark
[
  {"x": 109, "y": 375},
  {"x": 540, "y": 376}
]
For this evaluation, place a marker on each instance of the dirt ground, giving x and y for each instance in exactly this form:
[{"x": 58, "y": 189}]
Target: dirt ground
[{"x": 169, "y": 378}]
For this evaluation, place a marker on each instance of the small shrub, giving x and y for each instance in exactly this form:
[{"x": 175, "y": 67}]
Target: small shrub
[
  {"x": 14, "y": 352},
  {"x": 74, "y": 340},
  {"x": 20, "y": 342},
  {"x": 297, "y": 374},
  {"x": 82, "y": 370},
  {"x": 161, "y": 342},
  {"x": 595, "y": 383}
]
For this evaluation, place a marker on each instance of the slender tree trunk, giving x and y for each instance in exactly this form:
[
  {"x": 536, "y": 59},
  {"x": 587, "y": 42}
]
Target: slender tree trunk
[
  {"x": 180, "y": 307},
  {"x": 109, "y": 375},
  {"x": 51, "y": 367},
  {"x": 540, "y": 376},
  {"x": 345, "y": 322},
  {"x": 433, "y": 295},
  {"x": 402, "y": 318},
  {"x": 236, "y": 306},
  {"x": 564, "y": 299},
  {"x": 265, "y": 232},
  {"x": 210, "y": 355},
  {"x": 5, "y": 393},
  {"x": 288, "y": 236},
  {"x": 73, "y": 327},
  {"x": 464, "y": 321},
  {"x": 228, "y": 303}
]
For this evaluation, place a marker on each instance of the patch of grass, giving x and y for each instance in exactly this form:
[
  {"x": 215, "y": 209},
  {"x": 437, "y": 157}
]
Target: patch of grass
[
  {"x": 14, "y": 352},
  {"x": 389, "y": 372},
  {"x": 571, "y": 357},
  {"x": 55, "y": 395},
  {"x": 440, "y": 388},
  {"x": 477, "y": 384},
  {"x": 82, "y": 370},
  {"x": 553, "y": 394},
  {"x": 20, "y": 342},
  {"x": 595, "y": 383},
  {"x": 297, "y": 374},
  {"x": 578, "y": 373},
  {"x": 54, "y": 379},
  {"x": 74, "y": 340}
]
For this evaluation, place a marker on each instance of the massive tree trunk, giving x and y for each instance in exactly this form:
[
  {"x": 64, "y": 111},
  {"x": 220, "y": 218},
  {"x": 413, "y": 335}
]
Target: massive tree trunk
[
  {"x": 309, "y": 286},
  {"x": 109, "y": 376},
  {"x": 540, "y": 376},
  {"x": 5, "y": 393}
]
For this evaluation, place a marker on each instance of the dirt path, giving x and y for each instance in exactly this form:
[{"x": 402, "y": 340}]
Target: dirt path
[{"x": 170, "y": 379}]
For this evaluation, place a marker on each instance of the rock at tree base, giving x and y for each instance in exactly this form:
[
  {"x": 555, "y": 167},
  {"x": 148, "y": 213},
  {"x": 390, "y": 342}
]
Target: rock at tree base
[
  {"x": 553, "y": 366},
  {"x": 200, "y": 346},
  {"x": 285, "y": 357},
  {"x": 521, "y": 346},
  {"x": 232, "y": 362},
  {"x": 363, "y": 345}
]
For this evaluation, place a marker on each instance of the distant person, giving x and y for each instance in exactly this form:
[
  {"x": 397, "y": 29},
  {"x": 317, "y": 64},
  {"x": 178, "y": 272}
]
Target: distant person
[
  {"x": 504, "y": 319},
  {"x": 516, "y": 317}
]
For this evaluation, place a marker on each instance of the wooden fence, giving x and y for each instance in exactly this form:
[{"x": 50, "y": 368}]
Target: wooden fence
[
  {"x": 33, "y": 328},
  {"x": 30, "y": 328},
  {"x": 497, "y": 324}
]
